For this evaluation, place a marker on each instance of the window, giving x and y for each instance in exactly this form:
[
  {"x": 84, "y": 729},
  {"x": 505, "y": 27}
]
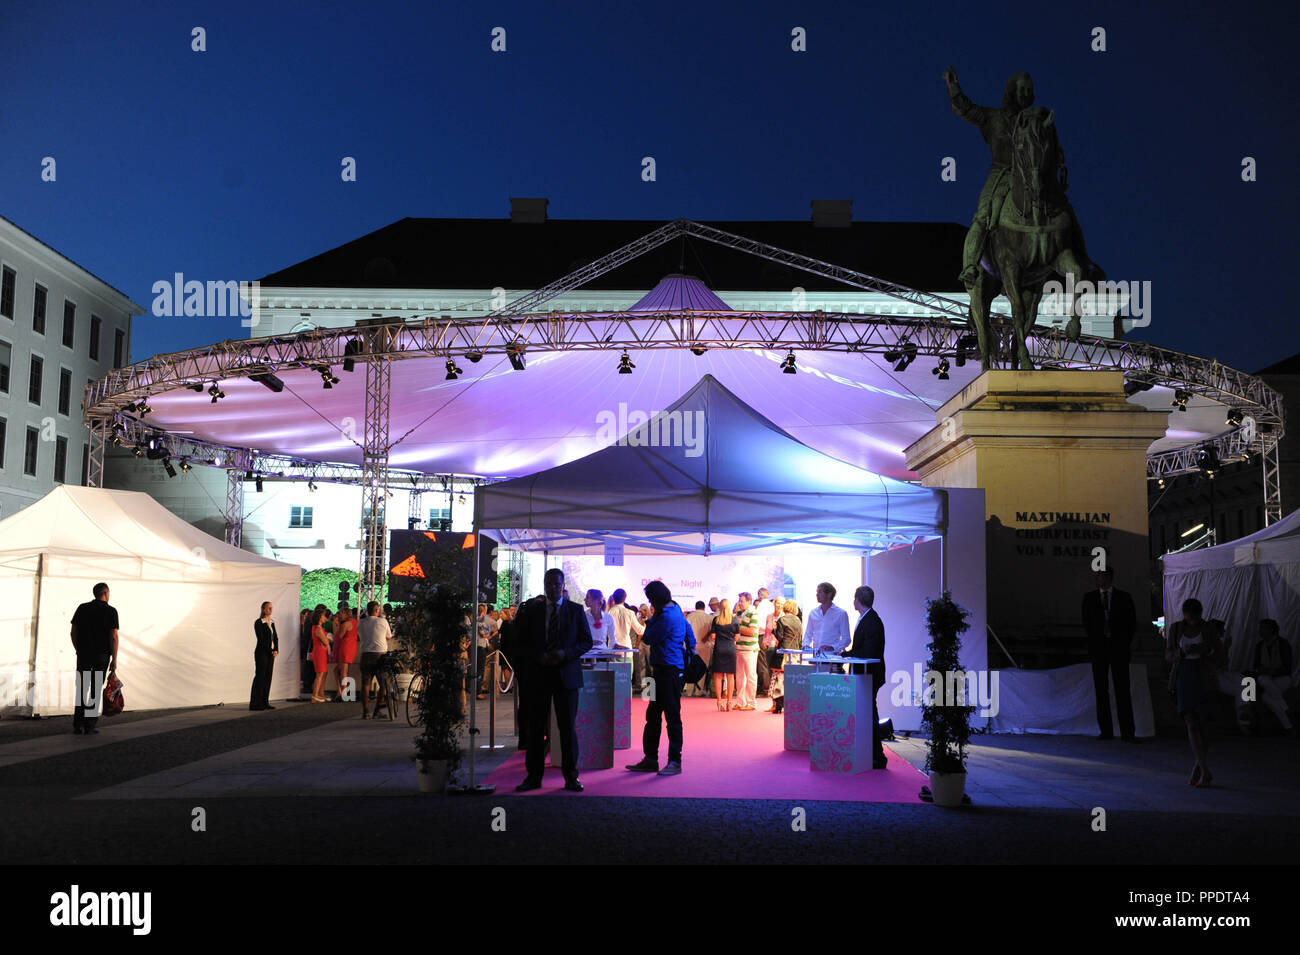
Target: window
[
  {"x": 85, "y": 465},
  {"x": 365, "y": 516},
  {"x": 119, "y": 348},
  {"x": 60, "y": 458},
  {"x": 29, "y": 453},
  {"x": 300, "y": 517},
  {"x": 439, "y": 518},
  {"x": 65, "y": 390},
  {"x": 95, "y": 322},
  {"x": 7, "y": 292},
  {"x": 69, "y": 323},
  {"x": 4, "y": 433},
  {"x": 34, "y": 384},
  {"x": 6, "y": 355},
  {"x": 38, "y": 310}
]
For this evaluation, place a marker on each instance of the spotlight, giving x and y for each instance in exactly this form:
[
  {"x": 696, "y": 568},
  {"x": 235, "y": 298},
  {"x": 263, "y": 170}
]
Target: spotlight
[
  {"x": 167, "y": 465},
  {"x": 129, "y": 408},
  {"x": 142, "y": 408},
  {"x": 353, "y": 347},
  {"x": 139, "y": 450},
  {"x": 903, "y": 356},
  {"x": 515, "y": 352},
  {"x": 216, "y": 393},
  {"x": 941, "y": 369},
  {"x": 1245, "y": 457},
  {"x": 185, "y": 465},
  {"x": 258, "y": 484},
  {"x": 311, "y": 485},
  {"x": 461, "y": 499},
  {"x": 698, "y": 350},
  {"x": 1160, "y": 483},
  {"x": 216, "y": 461},
  {"x": 326, "y": 376},
  {"x": 787, "y": 366},
  {"x": 625, "y": 365},
  {"x": 452, "y": 371},
  {"x": 1235, "y": 417},
  {"x": 1207, "y": 459},
  {"x": 1180, "y": 400},
  {"x": 197, "y": 387},
  {"x": 1133, "y": 386},
  {"x": 965, "y": 344},
  {"x": 248, "y": 475},
  {"x": 268, "y": 379},
  {"x": 117, "y": 426},
  {"x": 474, "y": 356}
]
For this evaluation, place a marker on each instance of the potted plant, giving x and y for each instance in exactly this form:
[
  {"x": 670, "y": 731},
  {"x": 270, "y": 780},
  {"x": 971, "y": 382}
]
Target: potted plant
[
  {"x": 947, "y": 722},
  {"x": 435, "y": 621}
]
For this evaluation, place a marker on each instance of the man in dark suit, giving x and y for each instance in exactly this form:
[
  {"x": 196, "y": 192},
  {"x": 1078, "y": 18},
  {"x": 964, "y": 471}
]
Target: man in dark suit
[
  {"x": 95, "y": 638},
  {"x": 546, "y": 644},
  {"x": 264, "y": 654},
  {"x": 869, "y": 644},
  {"x": 1110, "y": 619}
]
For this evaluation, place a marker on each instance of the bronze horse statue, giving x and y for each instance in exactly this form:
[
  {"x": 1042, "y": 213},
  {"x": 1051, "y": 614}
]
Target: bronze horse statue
[{"x": 1036, "y": 237}]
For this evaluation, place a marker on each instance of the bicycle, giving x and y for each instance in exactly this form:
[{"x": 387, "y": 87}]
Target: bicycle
[{"x": 386, "y": 674}]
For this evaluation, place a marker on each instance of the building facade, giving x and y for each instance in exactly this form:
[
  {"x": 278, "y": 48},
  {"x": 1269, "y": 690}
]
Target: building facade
[{"x": 60, "y": 328}]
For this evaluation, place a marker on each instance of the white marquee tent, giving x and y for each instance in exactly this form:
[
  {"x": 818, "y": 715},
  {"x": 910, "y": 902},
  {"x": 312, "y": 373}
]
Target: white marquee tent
[
  {"x": 186, "y": 602},
  {"x": 1240, "y": 582}
]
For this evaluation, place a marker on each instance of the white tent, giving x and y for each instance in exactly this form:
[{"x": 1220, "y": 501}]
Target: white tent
[
  {"x": 708, "y": 475},
  {"x": 186, "y": 603},
  {"x": 1240, "y": 582}
]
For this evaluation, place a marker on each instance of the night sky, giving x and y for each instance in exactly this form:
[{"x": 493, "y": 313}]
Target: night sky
[{"x": 225, "y": 164}]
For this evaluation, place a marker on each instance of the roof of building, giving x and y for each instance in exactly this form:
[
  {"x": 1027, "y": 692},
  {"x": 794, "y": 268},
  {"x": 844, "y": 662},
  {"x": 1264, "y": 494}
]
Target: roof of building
[
  {"x": 15, "y": 225},
  {"x": 1287, "y": 366},
  {"x": 487, "y": 253}
]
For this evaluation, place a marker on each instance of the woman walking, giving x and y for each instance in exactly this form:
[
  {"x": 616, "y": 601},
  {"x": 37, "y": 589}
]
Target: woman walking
[{"x": 1195, "y": 646}]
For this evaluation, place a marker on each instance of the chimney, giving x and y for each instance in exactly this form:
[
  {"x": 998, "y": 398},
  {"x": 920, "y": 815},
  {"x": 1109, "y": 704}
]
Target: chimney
[
  {"x": 832, "y": 213},
  {"x": 528, "y": 210}
]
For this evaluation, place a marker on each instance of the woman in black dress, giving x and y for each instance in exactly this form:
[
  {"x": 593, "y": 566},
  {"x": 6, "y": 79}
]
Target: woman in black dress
[{"x": 724, "y": 632}]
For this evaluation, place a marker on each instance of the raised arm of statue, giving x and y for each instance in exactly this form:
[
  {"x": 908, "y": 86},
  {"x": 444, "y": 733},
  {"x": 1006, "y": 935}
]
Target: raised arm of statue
[{"x": 961, "y": 103}]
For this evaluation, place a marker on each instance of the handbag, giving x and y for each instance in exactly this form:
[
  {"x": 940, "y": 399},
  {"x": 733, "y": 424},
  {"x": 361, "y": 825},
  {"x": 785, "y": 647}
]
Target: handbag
[
  {"x": 696, "y": 669},
  {"x": 113, "y": 701},
  {"x": 1173, "y": 676}
]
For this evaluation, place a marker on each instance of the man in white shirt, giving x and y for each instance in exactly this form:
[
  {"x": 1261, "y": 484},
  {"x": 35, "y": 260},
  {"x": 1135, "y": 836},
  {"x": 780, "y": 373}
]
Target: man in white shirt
[
  {"x": 763, "y": 610},
  {"x": 827, "y": 628},
  {"x": 627, "y": 625},
  {"x": 373, "y": 634}
]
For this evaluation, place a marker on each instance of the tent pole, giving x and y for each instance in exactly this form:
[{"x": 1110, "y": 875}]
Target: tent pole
[
  {"x": 36, "y": 640},
  {"x": 472, "y": 692}
]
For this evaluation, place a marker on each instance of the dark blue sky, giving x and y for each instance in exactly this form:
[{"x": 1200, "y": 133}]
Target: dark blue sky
[{"x": 225, "y": 164}]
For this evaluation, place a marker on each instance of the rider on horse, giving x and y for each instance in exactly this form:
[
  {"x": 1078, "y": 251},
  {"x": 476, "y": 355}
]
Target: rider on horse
[{"x": 997, "y": 125}]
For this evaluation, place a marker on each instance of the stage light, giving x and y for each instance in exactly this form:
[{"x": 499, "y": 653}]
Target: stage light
[
  {"x": 452, "y": 371},
  {"x": 248, "y": 475},
  {"x": 1235, "y": 417},
  {"x": 1245, "y": 457},
  {"x": 153, "y": 444},
  {"x": 698, "y": 350},
  {"x": 326, "y": 376},
  {"x": 129, "y": 408},
  {"x": 965, "y": 344},
  {"x": 1180, "y": 400},
  {"x": 461, "y": 499},
  {"x": 216, "y": 393},
  {"x": 903, "y": 356},
  {"x": 941, "y": 369},
  {"x": 1133, "y": 386},
  {"x": 197, "y": 387},
  {"x": 311, "y": 485},
  {"x": 167, "y": 465},
  {"x": 216, "y": 461},
  {"x": 142, "y": 408},
  {"x": 1160, "y": 483},
  {"x": 1191, "y": 530},
  {"x": 1207, "y": 459},
  {"x": 515, "y": 352},
  {"x": 625, "y": 365},
  {"x": 787, "y": 365},
  {"x": 474, "y": 356},
  {"x": 185, "y": 465},
  {"x": 412, "y": 523},
  {"x": 268, "y": 379},
  {"x": 117, "y": 426},
  {"x": 139, "y": 450},
  {"x": 353, "y": 347},
  {"x": 258, "y": 484}
]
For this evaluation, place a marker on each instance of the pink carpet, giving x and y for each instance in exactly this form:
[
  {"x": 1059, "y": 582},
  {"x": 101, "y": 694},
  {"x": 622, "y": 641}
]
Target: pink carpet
[{"x": 726, "y": 756}]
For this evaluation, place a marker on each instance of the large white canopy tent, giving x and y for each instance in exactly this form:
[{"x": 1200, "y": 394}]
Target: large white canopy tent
[
  {"x": 1241, "y": 582},
  {"x": 186, "y": 603},
  {"x": 750, "y": 487}
]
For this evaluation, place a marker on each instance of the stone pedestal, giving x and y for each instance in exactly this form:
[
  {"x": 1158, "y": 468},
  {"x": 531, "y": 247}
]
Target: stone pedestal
[
  {"x": 594, "y": 724},
  {"x": 1061, "y": 456}
]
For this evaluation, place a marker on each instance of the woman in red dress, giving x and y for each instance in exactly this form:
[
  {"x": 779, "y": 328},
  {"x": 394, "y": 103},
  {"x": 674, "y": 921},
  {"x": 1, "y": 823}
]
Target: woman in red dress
[
  {"x": 345, "y": 648},
  {"x": 320, "y": 653}
]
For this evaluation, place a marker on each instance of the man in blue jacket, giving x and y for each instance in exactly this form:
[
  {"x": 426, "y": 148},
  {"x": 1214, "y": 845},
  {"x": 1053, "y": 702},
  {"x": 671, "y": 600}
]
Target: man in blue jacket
[{"x": 670, "y": 638}]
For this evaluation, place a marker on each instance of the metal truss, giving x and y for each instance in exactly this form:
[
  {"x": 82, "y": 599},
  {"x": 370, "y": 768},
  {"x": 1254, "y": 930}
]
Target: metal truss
[
  {"x": 95, "y": 461},
  {"x": 234, "y": 513},
  {"x": 378, "y": 340},
  {"x": 1272, "y": 485}
]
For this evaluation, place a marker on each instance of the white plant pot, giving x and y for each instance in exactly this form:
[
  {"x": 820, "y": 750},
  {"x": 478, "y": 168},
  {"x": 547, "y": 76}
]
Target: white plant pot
[
  {"x": 431, "y": 774},
  {"x": 947, "y": 788},
  {"x": 403, "y": 683}
]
